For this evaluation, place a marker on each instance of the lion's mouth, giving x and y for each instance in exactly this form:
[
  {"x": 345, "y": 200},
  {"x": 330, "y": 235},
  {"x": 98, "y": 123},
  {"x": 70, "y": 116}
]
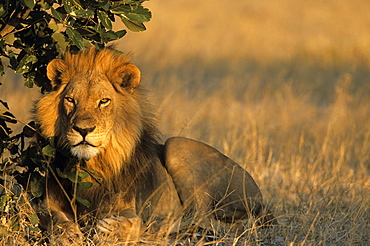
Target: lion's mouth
[
  {"x": 84, "y": 150},
  {"x": 84, "y": 142}
]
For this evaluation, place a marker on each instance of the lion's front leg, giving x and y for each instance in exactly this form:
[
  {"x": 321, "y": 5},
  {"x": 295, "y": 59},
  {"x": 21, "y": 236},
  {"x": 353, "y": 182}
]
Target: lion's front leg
[
  {"x": 120, "y": 228},
  {"x": 56, "y": 216},
  {"x": 62, "y": 230}
]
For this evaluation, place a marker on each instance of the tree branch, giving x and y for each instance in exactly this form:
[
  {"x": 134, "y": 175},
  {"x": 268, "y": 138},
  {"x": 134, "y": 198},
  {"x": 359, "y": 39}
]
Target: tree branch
[{"x": 14, "y": 21}]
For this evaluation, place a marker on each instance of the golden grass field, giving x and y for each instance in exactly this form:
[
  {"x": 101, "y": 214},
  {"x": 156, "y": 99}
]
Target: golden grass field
[{"x": 282, "y": 87}]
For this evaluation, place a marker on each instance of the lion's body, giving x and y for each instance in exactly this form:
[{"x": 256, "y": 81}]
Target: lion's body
[{"x": 97, "y": 110}]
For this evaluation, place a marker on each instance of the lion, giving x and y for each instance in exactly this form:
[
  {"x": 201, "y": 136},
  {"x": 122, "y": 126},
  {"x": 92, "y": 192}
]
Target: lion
[{"x": 98, "y": 111}]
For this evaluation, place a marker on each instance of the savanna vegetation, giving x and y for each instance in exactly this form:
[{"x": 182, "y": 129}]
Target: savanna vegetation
[{"x": 282, "y": 87}]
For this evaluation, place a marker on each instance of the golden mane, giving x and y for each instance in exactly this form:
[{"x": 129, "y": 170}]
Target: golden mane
[{"x": 85, "y": 61}]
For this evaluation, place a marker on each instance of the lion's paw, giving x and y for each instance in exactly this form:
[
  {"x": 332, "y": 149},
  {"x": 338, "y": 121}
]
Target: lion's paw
[
  {"x": 67, "y": 233},
  {"x": 120, "y": 228}
]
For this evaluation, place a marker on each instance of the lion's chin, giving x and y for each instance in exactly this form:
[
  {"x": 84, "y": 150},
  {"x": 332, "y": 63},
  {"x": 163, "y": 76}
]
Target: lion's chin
[{"x": 84, "y": 151}]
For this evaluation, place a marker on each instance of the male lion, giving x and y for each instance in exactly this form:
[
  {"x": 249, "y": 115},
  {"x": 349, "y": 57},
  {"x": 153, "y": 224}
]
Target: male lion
[{"x": 98, "y": 112}]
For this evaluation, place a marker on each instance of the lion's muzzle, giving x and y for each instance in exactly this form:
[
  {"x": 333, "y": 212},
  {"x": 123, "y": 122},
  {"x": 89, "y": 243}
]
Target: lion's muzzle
[{"x": 82, "y": 142}]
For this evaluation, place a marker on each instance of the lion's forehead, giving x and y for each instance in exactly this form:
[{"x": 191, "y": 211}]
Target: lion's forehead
[{"x": 90, "y": 89}]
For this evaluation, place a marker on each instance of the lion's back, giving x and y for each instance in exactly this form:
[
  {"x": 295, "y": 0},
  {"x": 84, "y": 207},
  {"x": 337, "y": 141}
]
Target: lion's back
[{"x": 201, "y": 169}]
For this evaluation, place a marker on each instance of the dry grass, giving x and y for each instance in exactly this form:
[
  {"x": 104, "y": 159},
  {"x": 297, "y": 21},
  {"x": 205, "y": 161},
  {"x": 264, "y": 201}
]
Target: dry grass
[{"x": 282, "y": 87}]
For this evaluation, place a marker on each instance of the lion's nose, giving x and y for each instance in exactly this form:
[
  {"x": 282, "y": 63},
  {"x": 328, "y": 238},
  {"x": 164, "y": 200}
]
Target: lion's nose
[{"x": 83, "y": 131}]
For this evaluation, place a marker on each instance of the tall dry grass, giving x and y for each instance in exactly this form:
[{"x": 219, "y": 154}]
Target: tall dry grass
[{"x": 283, "y": 88}]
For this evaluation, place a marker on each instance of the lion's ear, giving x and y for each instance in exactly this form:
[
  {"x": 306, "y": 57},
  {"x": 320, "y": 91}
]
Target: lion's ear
[
  {"x": 54, "y": 70},
  {"x": 127, "y": 76}
]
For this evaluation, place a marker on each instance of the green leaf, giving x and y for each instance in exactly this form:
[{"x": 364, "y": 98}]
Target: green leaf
[
  {"x": 9, "y": 39},
  {"x": 108, "y": 36},
  {"x": 137, "y": 14},
  {"x": 49, "y": 151},
  {"x": 83, "y": 175},
  {"x": 44, "y": 5},
  {"x": 140, "y": 14},
  {"x": 121, "y": 33},
  {"x": 83, "y": 201},
  {"x": 61, "y": 174},
  {"x": 34, "y": 219},
  {"x": 71, "y": 5},
  {"x": 88, "y": 31},
  {"x": 85, "y": 185},
  {"x": 15, "y": 224},
  {"x": 100, "y": 4},
  {"x": 58, "y": 15},
  {"x": 72, "y": 176},
  {"x": 30, "y": 3},
  {"x": 37, "y": 186},
  {"x": 84, "y": 13},
  {"x": 53, "y": 26},
  {"x": 3, "y": 9},
  {"x": 106, "y": 6},
  {"x": 103, "y": 17},
  {"x": 133, "y": 25},
  {"x": 12, "y": 59},
  {"x": 52, "y": 142},
  {"x": 26, "y": 63},
  {"x": 72, "y": 162},
  {"x": 61, "y": 40},
  {"x": 120, "y": 9},
  {"x": 95, "y": 175},
  {"x": 33, "y": 228},
  {"x": 28, "y": 83},
  {"x": 30, "y": 79},
  {"x": 3, "y": 201},
  {"x": 75, "y": 37}
]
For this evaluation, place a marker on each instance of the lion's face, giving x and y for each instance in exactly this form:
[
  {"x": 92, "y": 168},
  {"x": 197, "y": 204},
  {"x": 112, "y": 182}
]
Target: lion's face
[
  {"x": 93, "y": 104},
  {"x": 89, "y": 105}
]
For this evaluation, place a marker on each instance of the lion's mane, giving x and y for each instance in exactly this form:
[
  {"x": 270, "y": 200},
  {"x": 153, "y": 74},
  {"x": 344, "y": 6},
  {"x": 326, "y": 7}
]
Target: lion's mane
[{"x": 134, "y": 135}]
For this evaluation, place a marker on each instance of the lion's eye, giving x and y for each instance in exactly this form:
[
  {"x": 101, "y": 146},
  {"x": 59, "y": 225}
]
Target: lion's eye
[
  {"x": 104, "y": 102},
  {"x": 69, "y": 99}
]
